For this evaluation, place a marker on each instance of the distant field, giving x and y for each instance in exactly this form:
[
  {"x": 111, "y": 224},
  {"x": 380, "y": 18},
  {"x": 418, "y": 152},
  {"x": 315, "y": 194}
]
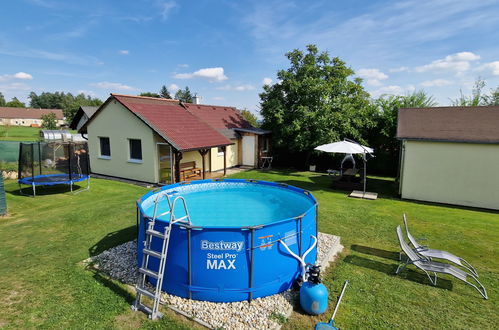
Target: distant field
[{"x": 19, "y": 133}]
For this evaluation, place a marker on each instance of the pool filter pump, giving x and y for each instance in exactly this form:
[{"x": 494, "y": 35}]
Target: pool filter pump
[{"x": 313, "y": 294}]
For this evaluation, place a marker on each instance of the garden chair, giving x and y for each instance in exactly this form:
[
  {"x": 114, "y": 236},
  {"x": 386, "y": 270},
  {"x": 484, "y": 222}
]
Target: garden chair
[
  {"x": 439, "y": 254},
  {"x": 428, "y": 266}
]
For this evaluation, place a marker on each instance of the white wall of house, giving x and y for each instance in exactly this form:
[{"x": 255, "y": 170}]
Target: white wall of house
[
  {"x": 120, "y": 125},
  {"x": 25, "y": 121},
  {"x": 453, "y": 173}
]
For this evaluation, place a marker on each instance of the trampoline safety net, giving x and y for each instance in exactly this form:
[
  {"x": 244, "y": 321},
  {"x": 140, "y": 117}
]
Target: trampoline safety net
[{"x": 50, "y": 163}]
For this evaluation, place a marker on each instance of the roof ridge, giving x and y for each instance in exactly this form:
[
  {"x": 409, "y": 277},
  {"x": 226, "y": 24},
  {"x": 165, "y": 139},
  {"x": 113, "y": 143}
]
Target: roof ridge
[
  {"x": 146, "y": 97},
  {"x": 213, "y": 105},
  {"x": 29, "y": 108}
]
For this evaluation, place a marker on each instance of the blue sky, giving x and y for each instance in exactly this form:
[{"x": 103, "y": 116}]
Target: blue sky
[{"x": 226, "y": 50}]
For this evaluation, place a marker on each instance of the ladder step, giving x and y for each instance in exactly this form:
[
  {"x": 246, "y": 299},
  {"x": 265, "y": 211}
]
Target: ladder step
[
  {"x": 148, "y": 272},
  {"x": 152, "y": 253},
  {"x": 162, "y": 214},
  {"x": 145, "y": 292},
  {"x": 181, "y": 219},
  {"x": 155, "y": 233}
]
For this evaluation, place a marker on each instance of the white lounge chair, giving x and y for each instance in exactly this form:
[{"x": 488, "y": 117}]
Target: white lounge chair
[
  {"x": 428, "y": 267},
  {"x": 439, "y": 254}
]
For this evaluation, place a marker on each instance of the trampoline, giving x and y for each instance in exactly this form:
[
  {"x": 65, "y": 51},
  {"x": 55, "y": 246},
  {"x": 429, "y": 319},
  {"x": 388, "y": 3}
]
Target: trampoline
[{"x": 55, "y": 163}]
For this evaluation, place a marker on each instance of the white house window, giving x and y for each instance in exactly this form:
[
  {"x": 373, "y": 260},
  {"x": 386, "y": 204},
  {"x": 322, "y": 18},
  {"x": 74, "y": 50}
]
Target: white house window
[
  {"x": 135, "y": 148},
  {"x": 220, "y": 151},
  {"x": 105, "y": 147}
]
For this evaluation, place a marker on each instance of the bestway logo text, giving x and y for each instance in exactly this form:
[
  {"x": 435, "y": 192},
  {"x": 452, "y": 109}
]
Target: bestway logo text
[{"x": 222, "y": 245}]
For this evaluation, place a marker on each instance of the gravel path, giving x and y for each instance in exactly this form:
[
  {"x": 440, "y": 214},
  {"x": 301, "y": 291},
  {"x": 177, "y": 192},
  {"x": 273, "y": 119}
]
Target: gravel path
[{"x": 262, "y": 313}]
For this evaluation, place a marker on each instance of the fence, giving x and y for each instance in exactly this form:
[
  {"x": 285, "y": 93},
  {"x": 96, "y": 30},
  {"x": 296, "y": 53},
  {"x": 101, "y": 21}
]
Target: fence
[
  {"x": 3, "y": 201},
  {"x": 9, "y": 154}
]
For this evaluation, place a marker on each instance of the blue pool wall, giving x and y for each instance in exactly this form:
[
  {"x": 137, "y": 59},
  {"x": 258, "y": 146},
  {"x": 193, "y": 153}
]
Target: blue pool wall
[{"x": 274, "y": 269}]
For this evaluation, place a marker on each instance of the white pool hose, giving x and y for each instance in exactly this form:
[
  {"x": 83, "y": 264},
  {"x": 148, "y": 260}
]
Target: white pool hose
[{"x": 302, "y": 259}]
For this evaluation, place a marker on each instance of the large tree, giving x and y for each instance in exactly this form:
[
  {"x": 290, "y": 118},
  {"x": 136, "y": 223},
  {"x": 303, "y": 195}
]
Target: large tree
[
  {"x": 65, "y": 101},
  {"x": 315, "y": 101},
  {"x": 184, "y": 95},
  {"x": 382, "y": 136},
  {"x": 2, "y": 100},
  {"x": 15, "y": 103},
  {"x": 164, "y": 93},
  {"x": 250, "y": 117}
]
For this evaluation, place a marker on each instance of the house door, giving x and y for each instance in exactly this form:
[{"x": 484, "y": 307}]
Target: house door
[
  {"x": 165, "y": 163},
  {"x": 248, "y": 150}
]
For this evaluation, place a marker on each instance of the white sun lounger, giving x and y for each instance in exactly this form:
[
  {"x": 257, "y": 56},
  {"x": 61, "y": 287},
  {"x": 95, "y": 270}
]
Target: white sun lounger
[
  {"x": 428, "y": 267},
  {"x": 439, "y": 254}
]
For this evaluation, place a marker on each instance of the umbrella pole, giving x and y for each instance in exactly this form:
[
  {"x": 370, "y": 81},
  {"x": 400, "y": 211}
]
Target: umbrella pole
[{"x": 365, "y": 171}]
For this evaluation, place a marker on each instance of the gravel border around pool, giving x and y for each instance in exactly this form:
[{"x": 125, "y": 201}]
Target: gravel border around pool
[{"x": 262, "y": 313}]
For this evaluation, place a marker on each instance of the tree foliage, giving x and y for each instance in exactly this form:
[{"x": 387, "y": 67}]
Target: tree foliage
[
  {"x": 164, "y": 93},
  {"x": 2, "y": 100},
  {"x": 315, "y": 101},
  {"x": 250, "y": 117},
  {"x": 65, "y": 101},
  {"x": 15, "y": 103},
  {"x": 150, "y": 94},
  {"x": 184, "y": 95},
  {"x": 49, "y": 121}
]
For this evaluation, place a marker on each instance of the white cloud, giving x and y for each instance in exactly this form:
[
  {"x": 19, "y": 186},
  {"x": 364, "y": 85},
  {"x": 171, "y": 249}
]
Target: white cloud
[
  {"x": 372, "y": 76},
  {"x": 435, "y": 83},
  {"x": 212, "y": 74},
  {"x": 399, "y": 69},
  {"x": 183, "y": 65},
  {"x": 492, "y": 67},
  {"x": 124, "y": 52},
  {"x": 173, "y": 87},
  {"x": 23, "y": 75},
  {"x": 19, "y": 75},
  {"x": 458, "y": 62},
  {"x": 218, "y": 98},
  {"x": 166, "y": 8},
  {"x": 267, "y": 81},
  {"x": 15, "y": 86},
  {"x": 113, "y": 85},
  {"x": 239, "y": 88},
  {"x": 87, "y": 92},
  {"x": 393, "y": 90}
]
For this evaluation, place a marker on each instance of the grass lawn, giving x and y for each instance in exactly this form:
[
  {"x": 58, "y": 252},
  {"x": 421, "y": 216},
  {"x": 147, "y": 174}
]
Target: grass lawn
[
  {"x": 19, "y": 133},
  {"x": 45, "y": 238}
]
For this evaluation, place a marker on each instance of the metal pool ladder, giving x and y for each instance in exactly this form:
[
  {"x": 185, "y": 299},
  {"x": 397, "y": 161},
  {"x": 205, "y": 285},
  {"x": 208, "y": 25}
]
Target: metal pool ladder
[{"x": 148, "y": 252}]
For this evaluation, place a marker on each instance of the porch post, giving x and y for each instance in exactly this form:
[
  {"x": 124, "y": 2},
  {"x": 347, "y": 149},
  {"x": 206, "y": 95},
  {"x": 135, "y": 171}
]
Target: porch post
[
  {"x": 203, "y": 152},
  {"x": 224, "y": 149},
  {"x": 176, "y": 170}
]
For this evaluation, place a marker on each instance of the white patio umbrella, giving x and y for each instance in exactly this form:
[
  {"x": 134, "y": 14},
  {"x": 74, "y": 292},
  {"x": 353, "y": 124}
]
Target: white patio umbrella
[{"x": 348, "y": 146}]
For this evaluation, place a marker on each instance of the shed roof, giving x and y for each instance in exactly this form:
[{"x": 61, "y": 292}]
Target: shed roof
[
  {"x": 182, "y": 129},
  {"x": 87, "y": 110},
  {"x": 454, "y": 124},
  {"x": 28, "y": 113}
]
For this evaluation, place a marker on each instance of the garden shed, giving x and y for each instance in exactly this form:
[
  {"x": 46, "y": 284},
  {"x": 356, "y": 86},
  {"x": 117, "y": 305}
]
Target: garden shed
[{"x": 450, "y": 155}]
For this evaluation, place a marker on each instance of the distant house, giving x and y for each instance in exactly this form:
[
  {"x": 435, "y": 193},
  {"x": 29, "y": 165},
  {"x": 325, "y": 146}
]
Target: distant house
[
  {"x": 28, "y": 116},
  {"x": 162, "y": 141},
  {"x": 83, "y": 114},
  {"x": 450, "y": 155}
]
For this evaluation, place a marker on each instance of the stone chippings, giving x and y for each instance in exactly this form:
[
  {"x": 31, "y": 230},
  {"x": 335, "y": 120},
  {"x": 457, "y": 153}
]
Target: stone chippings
[{"x": 120, "y": 263}]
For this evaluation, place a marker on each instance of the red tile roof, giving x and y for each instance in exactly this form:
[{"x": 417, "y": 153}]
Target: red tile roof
[
  {"x": 181, "y": 128},
  {"x": 218, "y": 117},
  {"x": 459, "y": 124},
  {"x": 28, "y": 113}
]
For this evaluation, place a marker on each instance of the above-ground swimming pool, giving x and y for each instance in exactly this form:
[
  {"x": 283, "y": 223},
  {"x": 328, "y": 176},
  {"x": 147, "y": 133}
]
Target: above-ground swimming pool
[{"x": 231, "y": 251}]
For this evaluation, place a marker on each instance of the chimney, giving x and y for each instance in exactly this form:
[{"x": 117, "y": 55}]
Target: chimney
[{"x": 196, "y": 99}]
